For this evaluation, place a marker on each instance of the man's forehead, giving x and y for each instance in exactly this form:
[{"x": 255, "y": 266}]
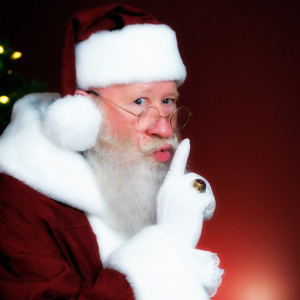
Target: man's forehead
[{"x": 148, "y": 88}]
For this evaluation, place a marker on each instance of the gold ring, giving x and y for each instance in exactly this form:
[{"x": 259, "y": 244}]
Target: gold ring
[{"x": 199, "y": 185}]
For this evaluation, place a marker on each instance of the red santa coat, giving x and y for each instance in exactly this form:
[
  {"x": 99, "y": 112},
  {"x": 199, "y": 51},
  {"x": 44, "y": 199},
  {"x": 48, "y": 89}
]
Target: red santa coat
[
  {"x": 49, "y": 251},
  {"x": 54, "y": 219}
]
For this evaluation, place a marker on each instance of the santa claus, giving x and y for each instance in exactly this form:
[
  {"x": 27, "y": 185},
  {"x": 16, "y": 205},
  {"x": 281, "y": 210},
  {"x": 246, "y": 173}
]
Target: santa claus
[{"x": 95, "y": 199}]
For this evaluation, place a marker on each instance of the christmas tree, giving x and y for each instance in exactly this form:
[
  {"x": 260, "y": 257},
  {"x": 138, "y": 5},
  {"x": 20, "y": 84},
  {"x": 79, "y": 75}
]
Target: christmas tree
[{"x": 13, "y": 85}]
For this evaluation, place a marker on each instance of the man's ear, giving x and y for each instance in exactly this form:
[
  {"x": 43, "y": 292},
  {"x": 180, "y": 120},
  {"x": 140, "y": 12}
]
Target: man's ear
[
  {"x": 81, "y": 92},
  {"x": 90, "y": 95}
]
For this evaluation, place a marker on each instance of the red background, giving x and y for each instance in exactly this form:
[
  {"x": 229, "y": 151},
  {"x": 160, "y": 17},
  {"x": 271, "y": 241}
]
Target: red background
[{"x": 242, "y": 59}]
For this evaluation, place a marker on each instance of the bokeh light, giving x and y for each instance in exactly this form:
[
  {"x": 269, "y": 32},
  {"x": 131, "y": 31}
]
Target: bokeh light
[
  {"x": 16, "y": 55},
  {"x": 4, "y": 99}
]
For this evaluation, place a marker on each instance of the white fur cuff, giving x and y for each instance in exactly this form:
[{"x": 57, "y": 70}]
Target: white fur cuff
[
  {"x": 73, "y": 122},
  {"x": 156, "y": 268},
  {"x": 206, "y": 268}
]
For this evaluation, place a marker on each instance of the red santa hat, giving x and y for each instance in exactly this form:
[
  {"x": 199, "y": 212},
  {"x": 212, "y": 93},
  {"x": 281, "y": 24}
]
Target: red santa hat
[
  {"x": 113, "y": 44},
  {"x": 118, "y": 44}
]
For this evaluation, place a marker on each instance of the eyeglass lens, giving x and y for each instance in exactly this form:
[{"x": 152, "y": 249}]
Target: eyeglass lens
[
  {"x": 148, "y": 118},
  {"x": 183, "y": 116}
]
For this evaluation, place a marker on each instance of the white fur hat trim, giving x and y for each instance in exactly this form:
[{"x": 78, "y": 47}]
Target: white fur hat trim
[
  {"x": 135, "y": 54},
  {"x": 73, "y": 122}
]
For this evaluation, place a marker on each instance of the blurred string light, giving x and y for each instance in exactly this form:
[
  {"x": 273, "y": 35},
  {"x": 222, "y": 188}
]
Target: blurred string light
[
  {"x": 4, "y": 99},
  {"x": 16, "y": 55},
  {"x": 1, "y": 52},
  {"x": 13, "y": 56},
  {"x": 13, "y": 85}
]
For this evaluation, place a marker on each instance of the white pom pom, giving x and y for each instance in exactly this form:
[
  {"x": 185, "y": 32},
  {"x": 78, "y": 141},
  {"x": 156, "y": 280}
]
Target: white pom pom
[{"x": 73, "y": 122}]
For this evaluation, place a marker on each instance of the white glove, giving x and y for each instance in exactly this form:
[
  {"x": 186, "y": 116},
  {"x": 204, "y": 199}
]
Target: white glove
[{"x": 180, "y": 208}]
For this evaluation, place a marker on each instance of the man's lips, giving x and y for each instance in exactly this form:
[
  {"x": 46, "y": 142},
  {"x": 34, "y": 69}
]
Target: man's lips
[{"x": 163, "y": 154}]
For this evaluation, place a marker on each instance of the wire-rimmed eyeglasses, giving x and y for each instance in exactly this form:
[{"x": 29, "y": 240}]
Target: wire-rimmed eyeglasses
[{"x": 149, "y": 116}]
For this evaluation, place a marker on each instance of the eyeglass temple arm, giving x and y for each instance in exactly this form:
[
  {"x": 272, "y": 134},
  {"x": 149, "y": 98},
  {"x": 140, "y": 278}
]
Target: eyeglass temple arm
[
  {"x": 96, "y": 94},
  {"x": 168, "y": 117}
]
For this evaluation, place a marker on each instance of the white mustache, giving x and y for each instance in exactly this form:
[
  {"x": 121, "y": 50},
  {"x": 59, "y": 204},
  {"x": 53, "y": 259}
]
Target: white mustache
[{"x": 153, "y": 144}]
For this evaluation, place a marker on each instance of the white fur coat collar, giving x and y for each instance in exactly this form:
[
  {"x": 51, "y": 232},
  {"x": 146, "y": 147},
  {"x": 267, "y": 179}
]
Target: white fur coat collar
[
  {"x": 29, "y": 155},
  {"x": 147, "y": 259}
]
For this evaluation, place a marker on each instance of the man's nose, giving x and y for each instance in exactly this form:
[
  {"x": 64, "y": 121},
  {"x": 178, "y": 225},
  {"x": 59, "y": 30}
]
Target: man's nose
[{"x": 162, "y": 128}]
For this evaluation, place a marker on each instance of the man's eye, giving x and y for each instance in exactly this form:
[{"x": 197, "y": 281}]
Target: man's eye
[
  {"x": 168, "y": 101},
  {"x": 140, "y": 101}
]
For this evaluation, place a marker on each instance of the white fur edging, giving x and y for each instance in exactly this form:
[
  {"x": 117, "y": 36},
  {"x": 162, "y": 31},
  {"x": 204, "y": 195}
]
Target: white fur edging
[
  {"x": 28, "y": 154},
  {"x": 137, "y": 53}
]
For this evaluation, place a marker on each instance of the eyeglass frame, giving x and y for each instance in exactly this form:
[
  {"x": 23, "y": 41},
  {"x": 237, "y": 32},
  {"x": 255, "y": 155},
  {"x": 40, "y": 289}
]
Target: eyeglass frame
[{"x": 168, "y": 117}]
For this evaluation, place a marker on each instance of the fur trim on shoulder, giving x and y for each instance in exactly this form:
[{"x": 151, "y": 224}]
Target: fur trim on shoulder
[{"x": 27, "y": 154}]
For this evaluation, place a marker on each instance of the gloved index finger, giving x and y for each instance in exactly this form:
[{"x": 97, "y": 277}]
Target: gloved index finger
[{"x": 180, "y": 158}]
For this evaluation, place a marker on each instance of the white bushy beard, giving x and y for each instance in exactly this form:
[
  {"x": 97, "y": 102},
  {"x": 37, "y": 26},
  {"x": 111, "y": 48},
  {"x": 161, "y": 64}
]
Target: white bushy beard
[{"x": 129, "y": 177}]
